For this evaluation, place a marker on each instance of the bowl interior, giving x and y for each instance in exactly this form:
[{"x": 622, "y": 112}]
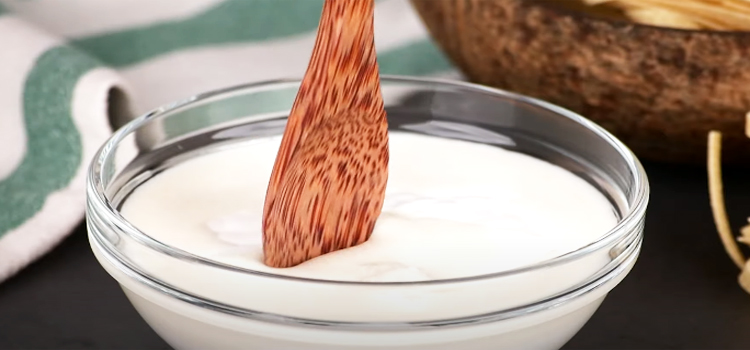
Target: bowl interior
[{"x": 209, "y": 122}]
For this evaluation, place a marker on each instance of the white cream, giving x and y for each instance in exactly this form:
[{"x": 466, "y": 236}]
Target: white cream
[{"x": 452, "y": 209}]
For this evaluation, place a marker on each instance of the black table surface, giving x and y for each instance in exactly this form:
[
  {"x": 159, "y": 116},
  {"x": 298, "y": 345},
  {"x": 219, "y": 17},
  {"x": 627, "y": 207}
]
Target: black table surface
[{"x": 682, "y": 293}]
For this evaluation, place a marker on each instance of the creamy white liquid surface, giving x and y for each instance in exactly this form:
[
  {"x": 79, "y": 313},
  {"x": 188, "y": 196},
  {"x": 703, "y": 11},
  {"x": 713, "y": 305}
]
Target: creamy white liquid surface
[{"x": 452, "y": 209}]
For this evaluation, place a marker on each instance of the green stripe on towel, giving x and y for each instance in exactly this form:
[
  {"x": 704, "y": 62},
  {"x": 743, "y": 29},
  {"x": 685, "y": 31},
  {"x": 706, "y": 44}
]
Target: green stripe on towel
[
  {"x": 231, "y": 21},
  {"x": 53, "y": 146},
  {"x": 417, "y": 58}
]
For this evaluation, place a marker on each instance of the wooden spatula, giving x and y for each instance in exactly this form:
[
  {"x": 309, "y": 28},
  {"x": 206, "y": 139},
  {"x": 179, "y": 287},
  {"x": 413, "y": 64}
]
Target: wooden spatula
[{"x": 327, "y": 186}]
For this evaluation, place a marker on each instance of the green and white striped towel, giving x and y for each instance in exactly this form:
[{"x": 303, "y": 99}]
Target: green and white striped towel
[{"x": 70, "y": 67}]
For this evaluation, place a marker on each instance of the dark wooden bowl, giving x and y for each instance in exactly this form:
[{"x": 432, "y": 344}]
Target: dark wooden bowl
[{"x": 659, "y": 90}]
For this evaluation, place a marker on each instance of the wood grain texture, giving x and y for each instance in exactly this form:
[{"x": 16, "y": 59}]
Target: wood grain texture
[
  {"x": 659, "y": 90},
  {"x": 328, "y": 182}
]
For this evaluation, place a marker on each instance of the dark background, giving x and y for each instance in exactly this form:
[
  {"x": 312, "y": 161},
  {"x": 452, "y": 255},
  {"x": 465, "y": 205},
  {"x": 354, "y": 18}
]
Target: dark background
[{"x": 682, "y": 293}]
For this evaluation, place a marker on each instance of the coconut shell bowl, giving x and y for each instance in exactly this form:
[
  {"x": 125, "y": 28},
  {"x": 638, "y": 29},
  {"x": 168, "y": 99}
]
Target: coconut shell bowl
[{"x": 660, "y": 90}]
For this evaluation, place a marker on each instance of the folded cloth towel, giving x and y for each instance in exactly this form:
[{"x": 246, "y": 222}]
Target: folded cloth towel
[{"x": 72, "y": 70}]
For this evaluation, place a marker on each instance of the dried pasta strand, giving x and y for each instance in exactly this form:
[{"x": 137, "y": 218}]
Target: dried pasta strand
[
  {"x": 745, "y": 234},
  {"x": 661, "y": 17},
  {"x": 657, "y": 15},
  {"x": 739, "y": 5},
  {"x": 716, "y": 194},
  {"x": 723, "y": 15},
  {"x": 731, "y": 18},
  {"x": 744, "y": 278}
]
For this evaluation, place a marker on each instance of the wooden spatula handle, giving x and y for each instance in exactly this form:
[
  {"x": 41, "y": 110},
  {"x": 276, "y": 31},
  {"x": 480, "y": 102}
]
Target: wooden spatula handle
[
  {"x": 328, "y": 182},
  {"x": 343, "y": 71}
]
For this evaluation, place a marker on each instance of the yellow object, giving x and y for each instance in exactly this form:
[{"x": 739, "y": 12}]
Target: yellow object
[
  {"x": 727, "y": 15},
  {"x": 716, "y": 194},
  {"x": 745, "y": 277}
]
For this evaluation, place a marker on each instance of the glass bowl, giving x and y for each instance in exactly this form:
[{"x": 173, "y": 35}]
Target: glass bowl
[{"x": 176, "y": 292}]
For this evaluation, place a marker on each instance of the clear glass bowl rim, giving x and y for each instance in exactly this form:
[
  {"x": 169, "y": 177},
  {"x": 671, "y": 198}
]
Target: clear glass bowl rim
[{"x": 104, "y": 207}]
